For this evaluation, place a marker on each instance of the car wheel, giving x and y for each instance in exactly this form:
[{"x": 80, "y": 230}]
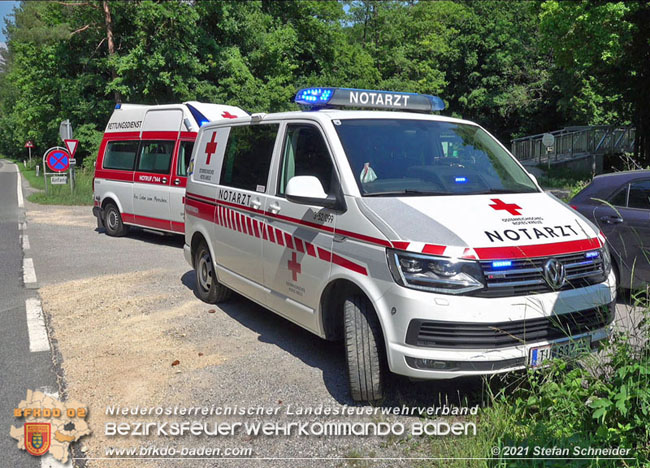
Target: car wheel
[
  {"x": 363, "y": 348},
  {"x": 113, "y": 221},
  {"x": 207, "y": 288}
]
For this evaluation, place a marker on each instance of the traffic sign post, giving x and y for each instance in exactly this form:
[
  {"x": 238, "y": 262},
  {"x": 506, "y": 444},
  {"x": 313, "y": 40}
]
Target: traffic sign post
[
  {"x": 72, "y": 146},
  {"x": 29, "y": 145},
  {"x": 57, "y": 160}
]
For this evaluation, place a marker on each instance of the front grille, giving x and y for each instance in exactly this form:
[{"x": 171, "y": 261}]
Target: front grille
[
  {"x": 437, "y": 334},
  {"x": 526, "y": 276}
]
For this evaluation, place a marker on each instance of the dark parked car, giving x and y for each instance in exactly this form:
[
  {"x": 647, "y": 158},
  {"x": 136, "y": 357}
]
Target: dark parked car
[{"x": 619, "y": 204}]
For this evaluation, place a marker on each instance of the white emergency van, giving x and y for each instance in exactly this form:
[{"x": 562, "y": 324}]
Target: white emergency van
[
  {"x": 141, "y": 168},
  {"x": 417, "y": 238}
]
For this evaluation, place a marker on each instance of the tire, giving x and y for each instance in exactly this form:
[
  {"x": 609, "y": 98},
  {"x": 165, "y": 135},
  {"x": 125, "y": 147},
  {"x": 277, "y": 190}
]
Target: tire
[
  {"x": 206, "y": 286},
  {"x": 113, "y": 221},
  {"x": 364, "y": 349}
]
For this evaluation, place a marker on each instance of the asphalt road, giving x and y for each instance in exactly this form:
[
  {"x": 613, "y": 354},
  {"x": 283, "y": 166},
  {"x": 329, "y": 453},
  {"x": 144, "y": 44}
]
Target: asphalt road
[{"x": 20, "y": 369}]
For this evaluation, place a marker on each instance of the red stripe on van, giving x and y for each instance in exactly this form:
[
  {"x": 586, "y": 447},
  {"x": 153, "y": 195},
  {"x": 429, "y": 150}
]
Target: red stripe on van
[
  {"x": 288, "y": 240},
  {"x": 147, "y": 221},
  {"x": 299, "y": 245},
  {"x": 159, "y": 135},
  {"x": 310, "y": 249},
  {"x": 278, "y": 236},
  {"x": 109, "y": 174},
  {"x": 324, "y": 255},
  {"x": 178, "y": 227},
  {"x": 542, "y": 250},
  {"x": 271, "y": 235},
  {"x": 401, "y": 245},
  {"x": 345, "y": 263},
  {"x": 434, "y": 249}
]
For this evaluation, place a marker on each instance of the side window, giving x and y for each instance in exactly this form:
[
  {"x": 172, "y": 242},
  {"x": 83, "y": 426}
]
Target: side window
[
  {"x": 247, "y": 158},
  {"x": 639, "y": 195},
  {"x": 184, "y": 155},
  {"x": 620, "y": 197},
  {"x": 120, "y": 155},
  {"x": 305, "y": 153},
  {"x": 155, "y": 156}
]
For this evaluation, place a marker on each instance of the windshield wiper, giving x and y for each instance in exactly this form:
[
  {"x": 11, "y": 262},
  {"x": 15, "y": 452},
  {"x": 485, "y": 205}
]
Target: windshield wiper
[{"x": 408, "y": 192}]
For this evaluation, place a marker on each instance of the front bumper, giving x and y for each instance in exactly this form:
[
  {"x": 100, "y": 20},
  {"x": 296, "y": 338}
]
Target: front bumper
[{"x": 446, "y": 362}]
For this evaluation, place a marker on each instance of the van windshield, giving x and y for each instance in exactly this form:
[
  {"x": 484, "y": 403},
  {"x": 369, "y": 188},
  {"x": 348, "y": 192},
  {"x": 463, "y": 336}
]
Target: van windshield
[{"x": 397, "y": 157}]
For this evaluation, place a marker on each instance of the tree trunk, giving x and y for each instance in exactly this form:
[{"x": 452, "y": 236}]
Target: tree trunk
[{"x": 111, "y": 44}]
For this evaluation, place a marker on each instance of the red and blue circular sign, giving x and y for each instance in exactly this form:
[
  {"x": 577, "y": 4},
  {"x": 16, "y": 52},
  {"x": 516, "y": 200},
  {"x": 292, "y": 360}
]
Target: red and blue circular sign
[{"x": 57, "y": 160}]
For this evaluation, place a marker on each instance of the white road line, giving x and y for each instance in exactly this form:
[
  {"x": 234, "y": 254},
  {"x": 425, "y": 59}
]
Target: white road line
[
  {"x": 25, "y": 242},
  {"x": 38, "y": 340},
  {"x": 29, "y": 274},
  {"x": 22, "y": 226},
  {"x": 19, "y": 189}
]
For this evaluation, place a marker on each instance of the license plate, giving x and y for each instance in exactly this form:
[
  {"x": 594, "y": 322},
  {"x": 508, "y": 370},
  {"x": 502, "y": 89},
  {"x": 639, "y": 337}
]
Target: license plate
[{"x": 564, "y": 349}]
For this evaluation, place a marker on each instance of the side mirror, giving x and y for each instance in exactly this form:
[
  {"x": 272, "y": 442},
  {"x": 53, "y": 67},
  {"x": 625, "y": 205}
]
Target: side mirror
[{"x": 307, "y": 190}]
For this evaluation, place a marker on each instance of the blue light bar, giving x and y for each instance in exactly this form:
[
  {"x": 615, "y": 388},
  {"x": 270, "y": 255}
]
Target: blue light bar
[
  {"x": 501, "y": 263},
  {"x": 460, "y": 180},
  {"x": 118, "y": 105},
  {"x": 200, "y": 119},
  {"x": 316, "y": 98},
  {"x": 592, "y": 254}
]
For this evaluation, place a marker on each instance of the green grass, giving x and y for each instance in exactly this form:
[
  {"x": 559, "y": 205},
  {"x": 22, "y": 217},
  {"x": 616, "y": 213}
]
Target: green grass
[
  {"x": 59, "y": 194},
  {"x": 564, "y": 179}
]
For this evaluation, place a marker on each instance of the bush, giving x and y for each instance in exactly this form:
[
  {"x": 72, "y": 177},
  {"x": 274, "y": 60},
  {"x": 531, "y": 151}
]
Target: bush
[{"x": 605, "y": 402}]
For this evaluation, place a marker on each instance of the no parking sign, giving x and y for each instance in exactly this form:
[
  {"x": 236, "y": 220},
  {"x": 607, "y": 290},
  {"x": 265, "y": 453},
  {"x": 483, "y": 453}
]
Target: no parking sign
[
  {"x": 56, "y": 165},
  {"x": 57, "y": 159}
]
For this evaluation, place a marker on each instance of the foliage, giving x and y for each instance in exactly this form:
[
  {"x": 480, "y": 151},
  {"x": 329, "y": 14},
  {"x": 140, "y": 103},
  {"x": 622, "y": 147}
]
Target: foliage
[{"x": 515, "y": 67}]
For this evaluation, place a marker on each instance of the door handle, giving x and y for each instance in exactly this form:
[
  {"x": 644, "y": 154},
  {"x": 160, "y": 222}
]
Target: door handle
[
  {"x": 164, "y": 180},
  {"x": 611, "y": 219},
  {"x": 177, "y": 181},
  {"x": 256, "y": 203},
  {"x": 274, "y": 208}
]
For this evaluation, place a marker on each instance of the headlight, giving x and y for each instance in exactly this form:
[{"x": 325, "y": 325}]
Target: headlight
[{"x": 435, "y": 274}]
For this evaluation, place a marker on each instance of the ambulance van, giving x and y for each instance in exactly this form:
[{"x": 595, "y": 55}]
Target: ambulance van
[
  {"x": 141, "y": 168},
  {"x": 418, "y": 239}
]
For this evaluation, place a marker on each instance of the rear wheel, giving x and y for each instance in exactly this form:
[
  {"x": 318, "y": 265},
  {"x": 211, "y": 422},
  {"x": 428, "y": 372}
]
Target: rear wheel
[
  {"x": 207, "y": 288},
  {"x": 113, "y": 221},
  {"x": 363, "y": 348}
]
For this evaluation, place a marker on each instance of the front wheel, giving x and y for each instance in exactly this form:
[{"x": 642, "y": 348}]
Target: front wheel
[
  {"x": 363, "y": 349},
  {"x": 207, "y": 288}
]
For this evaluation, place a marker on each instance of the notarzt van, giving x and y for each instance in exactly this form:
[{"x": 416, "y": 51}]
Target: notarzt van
[
  {"x": 416, "y": 238},
  {"x": 141, "y": 168}
]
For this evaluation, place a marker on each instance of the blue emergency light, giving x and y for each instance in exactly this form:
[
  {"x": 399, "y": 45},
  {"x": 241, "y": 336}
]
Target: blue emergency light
[
  {"x": 460, "y": 180},
  {"x": 318, "y": 98},
  {"x": 501, "y": 263},
  {"x": 592, "y": 254}
]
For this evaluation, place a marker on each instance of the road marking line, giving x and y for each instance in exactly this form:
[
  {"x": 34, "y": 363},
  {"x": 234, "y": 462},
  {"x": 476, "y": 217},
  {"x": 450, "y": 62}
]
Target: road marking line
[
  {"x": 26, "y": 245},
  {"x": 38, "y": 340},
  {"x": 29, "y": 274},
  {"x": 22, "y": 226},
  {"x": 19, "y": 189}
]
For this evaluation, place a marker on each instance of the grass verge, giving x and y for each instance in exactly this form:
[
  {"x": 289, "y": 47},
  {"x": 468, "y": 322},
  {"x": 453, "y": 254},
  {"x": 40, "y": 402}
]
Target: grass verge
[{"x": 59, "y": 194}]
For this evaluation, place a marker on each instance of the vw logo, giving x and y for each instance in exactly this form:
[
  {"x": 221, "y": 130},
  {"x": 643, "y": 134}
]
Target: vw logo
[{"x": 554, "y": 273}]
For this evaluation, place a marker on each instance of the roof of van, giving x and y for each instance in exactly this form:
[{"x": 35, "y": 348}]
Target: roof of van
[{"x": 188, "y": 116}]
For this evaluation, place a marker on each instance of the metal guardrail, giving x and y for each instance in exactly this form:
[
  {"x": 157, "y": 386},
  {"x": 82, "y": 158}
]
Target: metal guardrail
[{"x": 575, "y": 142}]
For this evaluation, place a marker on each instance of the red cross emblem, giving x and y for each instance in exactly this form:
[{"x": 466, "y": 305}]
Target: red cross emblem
[
  {"x": 294, "y": 266},
  {"x": 228, "y": 115},
  {"x": 210, "y": 148},
  {"x": 509, "y": 207}
]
